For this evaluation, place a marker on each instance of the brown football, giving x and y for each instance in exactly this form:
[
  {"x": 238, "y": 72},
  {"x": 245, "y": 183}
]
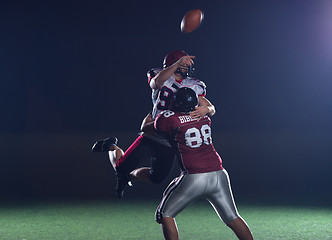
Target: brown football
[{"x": 191, "y": 20}]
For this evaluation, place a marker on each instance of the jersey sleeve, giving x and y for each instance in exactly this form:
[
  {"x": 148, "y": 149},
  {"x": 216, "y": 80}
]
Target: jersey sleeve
[
  {"x": 200, "y": 88},
  {"x": 158, "y": 123},
  {"x": 164, "y": 123}
]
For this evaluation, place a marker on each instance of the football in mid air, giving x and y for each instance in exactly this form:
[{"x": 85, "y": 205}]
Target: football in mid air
[{"x": 191, "y": 20}]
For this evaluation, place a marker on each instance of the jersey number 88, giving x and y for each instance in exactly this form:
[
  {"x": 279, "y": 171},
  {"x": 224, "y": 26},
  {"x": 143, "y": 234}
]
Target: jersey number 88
[{"x": 195, "y": 137}]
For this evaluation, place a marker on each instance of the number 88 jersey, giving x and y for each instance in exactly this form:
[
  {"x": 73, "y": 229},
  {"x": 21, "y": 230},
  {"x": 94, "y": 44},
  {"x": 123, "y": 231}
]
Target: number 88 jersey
[{"x": 191, "y": 140}]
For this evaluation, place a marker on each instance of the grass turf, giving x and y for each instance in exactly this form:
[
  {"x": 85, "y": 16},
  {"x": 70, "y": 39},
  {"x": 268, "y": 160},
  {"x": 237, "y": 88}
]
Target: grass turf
[{"x": 134, "y": 220}]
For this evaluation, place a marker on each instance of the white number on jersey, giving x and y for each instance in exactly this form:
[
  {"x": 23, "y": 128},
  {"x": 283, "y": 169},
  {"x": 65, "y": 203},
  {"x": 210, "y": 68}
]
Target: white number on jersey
[
  {"x": 168, "y": 113},
  {"x": 195, "y": 138}
]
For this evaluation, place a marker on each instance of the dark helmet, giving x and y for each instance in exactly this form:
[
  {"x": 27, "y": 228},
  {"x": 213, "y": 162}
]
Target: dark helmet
[
  {"x": 185, "y": 100},
  {"x": 173, "y": 57}
]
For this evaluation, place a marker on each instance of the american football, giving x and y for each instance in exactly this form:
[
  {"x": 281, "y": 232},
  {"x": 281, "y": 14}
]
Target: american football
[{"x": 191, "y": 20}]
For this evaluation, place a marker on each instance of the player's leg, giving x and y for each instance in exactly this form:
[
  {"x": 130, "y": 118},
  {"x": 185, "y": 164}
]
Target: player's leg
[
  {"x": 169, "y": 228},
  {"x": 241, "y": 229},
  {"x": 109, "y": 145},
  {"x": 122, "y": 180},
  {"x": 162, "y": 159},
  {"x": 137, "y": 152},
  {"x": 178, "y": 195},
  {"x": 140, "y": 174},
  {"x": 126, "y": 166},
  {"x": 114, "y": 154},
  {"x": 162, "y": 163},
  {"x": 122, "y": 162},
  {"x": 223, "y": 202}
]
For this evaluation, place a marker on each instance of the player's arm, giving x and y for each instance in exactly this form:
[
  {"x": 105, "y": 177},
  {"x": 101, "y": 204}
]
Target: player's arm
[
  {"x": 162, "y": 123},
  {"x": 205, "y": 107},
  {"x": 158, "y": 81},
  {"x": 147, "y": 124}
]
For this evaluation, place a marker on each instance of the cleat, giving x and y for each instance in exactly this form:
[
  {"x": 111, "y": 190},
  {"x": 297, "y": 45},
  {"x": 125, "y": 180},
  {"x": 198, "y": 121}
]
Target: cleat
[
  {"x": 104, "y": 144},
  {"x": 122, "y": 180}
]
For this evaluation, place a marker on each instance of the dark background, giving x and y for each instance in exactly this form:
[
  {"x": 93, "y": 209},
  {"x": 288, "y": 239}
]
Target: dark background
[{"x": 73, "y": 72}]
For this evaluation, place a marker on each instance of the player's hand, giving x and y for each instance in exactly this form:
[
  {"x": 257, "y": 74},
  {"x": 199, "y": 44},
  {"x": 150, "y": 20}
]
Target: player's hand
[
  {"x": 200, "y": 112},
  {"x": 186, "y": 61}
]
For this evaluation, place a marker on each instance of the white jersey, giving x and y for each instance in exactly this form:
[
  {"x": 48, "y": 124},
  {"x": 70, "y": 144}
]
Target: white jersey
[{"x": 161, "y": 98}]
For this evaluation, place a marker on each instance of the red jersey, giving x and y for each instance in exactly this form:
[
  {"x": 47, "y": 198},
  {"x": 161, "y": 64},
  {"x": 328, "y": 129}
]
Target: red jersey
[{"x": 191, "y": 140}]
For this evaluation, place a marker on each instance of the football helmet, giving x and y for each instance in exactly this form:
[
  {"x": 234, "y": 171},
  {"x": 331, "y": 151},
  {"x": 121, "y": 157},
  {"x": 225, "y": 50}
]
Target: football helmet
[
  {"x": 173, "y": 57},
  {"x": 185, "y": 100}
]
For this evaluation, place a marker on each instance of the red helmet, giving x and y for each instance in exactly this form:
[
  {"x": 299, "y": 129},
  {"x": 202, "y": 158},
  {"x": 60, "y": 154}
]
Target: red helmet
[{"x": 173, "y": 57}]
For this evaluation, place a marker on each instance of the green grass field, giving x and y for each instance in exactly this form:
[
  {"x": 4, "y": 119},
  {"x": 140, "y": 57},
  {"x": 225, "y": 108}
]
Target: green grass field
[{"x": 134, "y": 219}]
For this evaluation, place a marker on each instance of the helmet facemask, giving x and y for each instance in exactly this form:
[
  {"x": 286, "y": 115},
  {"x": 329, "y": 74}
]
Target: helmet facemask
[{"x": 185, "y": 71}]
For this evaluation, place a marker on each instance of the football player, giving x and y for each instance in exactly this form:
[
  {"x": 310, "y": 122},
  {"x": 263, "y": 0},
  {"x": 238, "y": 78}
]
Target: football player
[
  {"x": 177, "y": 68},
  {"x": 202, "y": 173}
]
